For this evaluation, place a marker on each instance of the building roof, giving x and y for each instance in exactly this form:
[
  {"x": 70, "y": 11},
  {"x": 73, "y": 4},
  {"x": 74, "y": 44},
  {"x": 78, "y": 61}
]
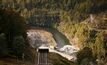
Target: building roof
[{"x": 43, "y": 47}]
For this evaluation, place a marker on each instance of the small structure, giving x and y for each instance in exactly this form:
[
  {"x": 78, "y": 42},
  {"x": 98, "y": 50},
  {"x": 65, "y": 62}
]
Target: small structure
[
  {"x": 43, "y": 55},
  {"x": 92, "y": 17}
]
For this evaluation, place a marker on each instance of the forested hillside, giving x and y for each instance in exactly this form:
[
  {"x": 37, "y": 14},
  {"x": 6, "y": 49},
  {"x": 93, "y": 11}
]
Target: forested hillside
[
  {"x": 83, "y": 22},
  {"x": 13, "y": 37},
  {"x": 52, "y": 11}
]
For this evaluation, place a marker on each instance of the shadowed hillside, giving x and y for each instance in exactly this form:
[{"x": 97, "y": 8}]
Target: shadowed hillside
[{"x": 83, "y": 22}]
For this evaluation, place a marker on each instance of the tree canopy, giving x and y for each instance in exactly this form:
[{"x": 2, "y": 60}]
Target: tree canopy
[{"x": 12, "y": 33}]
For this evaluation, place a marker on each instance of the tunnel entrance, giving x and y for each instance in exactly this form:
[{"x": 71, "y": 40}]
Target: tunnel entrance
[{"x": 43, "y": 56}]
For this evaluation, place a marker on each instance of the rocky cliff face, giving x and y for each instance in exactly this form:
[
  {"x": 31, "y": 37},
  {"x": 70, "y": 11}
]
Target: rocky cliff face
[{"x": 39, "y": 37}]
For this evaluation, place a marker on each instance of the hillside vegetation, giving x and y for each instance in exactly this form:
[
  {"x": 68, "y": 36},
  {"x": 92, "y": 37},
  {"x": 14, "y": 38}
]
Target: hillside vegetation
[
  {"x": 48, "y": 12},
  {"x": 84, "y": 22}
]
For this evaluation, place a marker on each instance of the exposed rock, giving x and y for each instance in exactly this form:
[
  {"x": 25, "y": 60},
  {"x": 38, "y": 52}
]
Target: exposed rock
[{"x": 39, "y": 37}]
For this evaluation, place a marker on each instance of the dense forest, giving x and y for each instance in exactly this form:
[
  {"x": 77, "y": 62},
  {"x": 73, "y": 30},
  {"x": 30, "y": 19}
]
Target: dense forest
[
  {"x": 82, "y": 20},
  {"x": 52, "y": 12},
  {"x": 13, "y": 38}
]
